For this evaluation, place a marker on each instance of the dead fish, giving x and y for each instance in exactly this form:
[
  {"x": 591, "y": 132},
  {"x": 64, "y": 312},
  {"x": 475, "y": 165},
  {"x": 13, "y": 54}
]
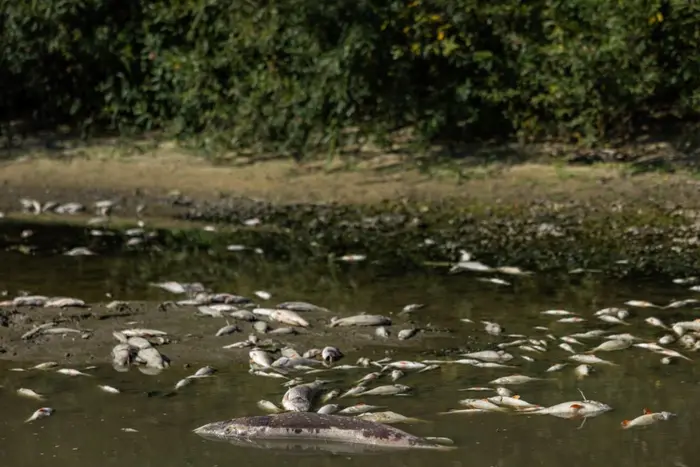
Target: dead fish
[
  {"x": 405, "y": 334},
  {"x": 328, "y": 409},
  {"x": 410, "y": 308},
  {"x": 79, "y": 251},
  {"x": 591, "y": 359},
  {"x": 397, "y": 374},
  {"x": 108, "y": 389},
  {"x": 71, "y": 372},
  {"x": 387, "y": 390},
  {"x": 141, "y": 332},
  {"x": 226, "y": 330},
  {"x": 37, "y": 330},
  {"x": 387, "y": 417},
  {"x": 289, "y": 317},
  {"x": 209, "y": 311},
  {"x": 514, "y": 379},
  {"x": 41, "y": 413},
  {"x": 204, "y": 372},
  {"x": 285, "y": 331},
  {"x": 493, "y": 280},
  {"x": 653, "y": 321},
  {"x": 152, "y": 358},
  {"x": 300, "y": 307},
  {"x": 300, "y": 398},
  {"x": 353, "y": 391},
  {"x": 571, "y": 409},
  {"x": 583, "y": 370},
  {"x": 667, "y": 339},
  {"x": 243, "y": 315},
  {"x": 556, "y": 367},
  {"x": 382, "y": 331},
  {"x": 332, "y": 394},
  {"x": 404, "y": 365},
  {"x": 499, "y": 356},
  {"x": 263, "y": 294},
  {"x": 360, "y": 408},
  {"x": 492, "y": 328},
  {"x": 361, "y": 320},
  {"x": 511, "y": 402},
  {"x": 64, "y": 302},
  {"x": 556, "y": 313},
  {"x": 566, "y": 347},
  {"x": 592, "y": 334},
  {"x": 44, "y": 366},
  {"x": 611, "y": 346},
  {"x": 612, "y": 319},
  {"x": 261, "y": 326},
  {"x": 25, "y": 392},
  {"x": 269, "y": 407},
  {"x": 641, "y": 304},
  {"x": 30, "y": 300},
  {"x": 481, "y": 404},
  {"x": 121, "y": 356},
  {"x": 648, "y": 418},
  {"x": 331, "y": 354},
  {"x": 62, "y": 331},
  {"x": 260, "y": 358}
]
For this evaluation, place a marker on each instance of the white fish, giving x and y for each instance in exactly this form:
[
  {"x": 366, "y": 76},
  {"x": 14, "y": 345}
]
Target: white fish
[
  {"x": 263, "y": 294},
  {"x": 482, "y": 404},
  {"x": 612, "y": 311},
  {"x": 571, "y": 340},
  {"x": 514, "y": 379},
  {"x": 268, "y": 406},
  {"x": 653, "y": 321},
  {"x": 612, "y": 319},
  {"x": 612, "y": 345},
  {"x": 25, "y": 392},
  {"x": 556, "y": 313},
  {"x": 511, "y": 402},
  {"x": 591, "y": 359},
  {"x": 556, "y": 367},
  {"x": 593, "y": 333},
  {"x": 571, "y": 319},
  {"x": 625, "y": 336},
  {"x": 41, "y": 413},
  {"x": 405, "y": 365},
  {"x": 109, "y": 389},
  {"x": 641, "y": 304},
  {"x": 260, "y": 357},
  {"x": 494, "y": 280},
  {"x": 499, "y": 356},
  {"x": 682, "y": 303},
  {"x": 567, "y": 347},
  {"x": 571, "y": 409},
  {"x": 583, "y": 370},
  {"x": 648, "y": 418},
  {"x": 71, "y": 372}
]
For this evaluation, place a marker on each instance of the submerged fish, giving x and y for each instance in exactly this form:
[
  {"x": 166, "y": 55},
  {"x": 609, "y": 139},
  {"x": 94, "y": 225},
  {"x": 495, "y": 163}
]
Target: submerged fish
[{"x": 315, "y": 427}]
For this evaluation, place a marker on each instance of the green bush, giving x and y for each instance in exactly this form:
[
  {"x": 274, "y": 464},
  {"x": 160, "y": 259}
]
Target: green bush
[{"x": 291, "y": 74}]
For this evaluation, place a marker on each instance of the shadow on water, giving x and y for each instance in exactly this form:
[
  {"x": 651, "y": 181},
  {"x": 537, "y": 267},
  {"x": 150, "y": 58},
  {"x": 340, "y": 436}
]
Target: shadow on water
[{"x": 88, "y": 426}]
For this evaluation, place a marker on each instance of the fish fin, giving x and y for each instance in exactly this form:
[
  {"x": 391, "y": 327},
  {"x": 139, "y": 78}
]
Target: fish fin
[
  {"x": 517, "y": 396},
  {"x": 576, "y": 406},
  {"x": 647, "y": 411}
]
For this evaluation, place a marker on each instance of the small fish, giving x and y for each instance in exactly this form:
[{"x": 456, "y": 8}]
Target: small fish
[
  {"x": 583, "y": 370},
  {"x": 353, "y": 391},
  {"x": 109, "y": 389},
  {"x": 611, "y": 346},
  {"x": 514, "y": 379},
  {"x": 382, "y": 332},
  {"x": 482, "y": 404},
  {"x": 641, "y": 304},
  {"x": 331, "y": 354},
  {"x": 494, "y": 280},
  {"x": 511, "y": 402},
  {"x": 269, "y": 407},
  {"x": 593, "y": 333},
  {"x": 360, "y": 408},
  {"x": 499, "y": 356},
  {"x": 591, "y": 359},
  {"x": 360, "y": 320},
  {"x": 648, "y": 418},
  {"x": 407, "y": 333},
  {"x": 653, "y": 321},
  {"x": 494, "y": 329},
  {"x": 30, "y": 393},
  {"x": 567, "y": 347},
  {"x": 404, "y": 365},
  {"x": 329, "y": 409},
  {"x": 612, "y": 319},
  {"x": 387, "y": 417},
  {"x": 571, "y": 319},
  {"x": 556, "y": 313},
  {"x": 71, "y": 372},
  {"x": 41, "y": 413},
  {"x": 260, "y": 358},
  {"x": 556, "y": 367},
  {"x": 263, "y": 294},
  {"x": 410, "y": 308},
  {"x": 226, "y": 330},
  {"x": 387, "y": 390},
  {"x": 397, "y": 374},
  {"x": 182, "y": 383}
]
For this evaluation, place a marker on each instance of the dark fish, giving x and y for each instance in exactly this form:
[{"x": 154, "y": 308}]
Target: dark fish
[{"x": 309, "y": 427}]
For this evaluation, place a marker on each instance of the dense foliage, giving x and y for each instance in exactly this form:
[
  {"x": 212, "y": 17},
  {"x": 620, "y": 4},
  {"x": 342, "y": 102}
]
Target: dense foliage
[{"x": 286, "y": 74}]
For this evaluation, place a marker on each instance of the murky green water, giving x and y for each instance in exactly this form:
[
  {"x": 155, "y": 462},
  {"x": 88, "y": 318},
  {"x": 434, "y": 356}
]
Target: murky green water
[{"x": 86, "y": 429}]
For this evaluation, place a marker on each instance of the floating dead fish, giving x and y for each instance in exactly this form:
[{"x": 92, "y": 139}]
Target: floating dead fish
[
  {"x": 226, "y": 330},
  {"x": 404, "y": 365},
  {"x": 44, "y": 366},
  {"x": 612, "y": 319},
  {"x": 300, "y": 307},
  {"x": 648, "y": 418},
  {"x": 611, "y": 346},
  {"x": 410, "y": 308},
  {"x": 328, "y": 409},
  {"x": 109, "y": 389},
  {"x": 382, "y": 332},
  {"x": 653, "y": 321},
  {"x": 209, "y": 311},
  {"x": 557, "y": 313},
  {"x": 387, "y": 390},
  {"x": 41, "y": 413},
  {"x": 30, "y": 300},
  {"x": 25, "y": 392},
  {"x": 387, "y": 417},
  {"x": 590, "y": 359},
  {"x": 571, "y": 409},
  {"x": 331, "y": 354},
  {"x": 583, "y": 370},
  {"x": 499, "y": 356},
  {"x": 641, "y": 304},
  {"x": 407, "y": 333},
  {"x": 269, "y": 407},
  {"x": 79, "y": 251},
  {"x": 360, "y": 320},
  {"x": 333, "y": 431},
  {"x": 494, "y": 329},
  {"x": 37, "y": 330},
  {"x": 288, "y": 317},
  {"x": 556, "y": 367},
  {"x": 64, "y": 302},
  {"x": 493, "y": 280},
  {"x": 514, "y": 379},
  {"x": 571, "y": 319},
  {"x": 360, "y": 409},
  {"x": 71, "y": 372},
  {"x": 140, "y": 332}
]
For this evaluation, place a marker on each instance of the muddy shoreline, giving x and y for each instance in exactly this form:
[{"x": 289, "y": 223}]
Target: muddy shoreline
[{"x": 191, "y": 336}]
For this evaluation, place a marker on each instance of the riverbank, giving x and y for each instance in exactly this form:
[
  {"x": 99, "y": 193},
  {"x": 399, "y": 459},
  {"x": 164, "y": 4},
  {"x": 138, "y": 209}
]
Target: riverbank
[{"x": 539, "y": 214}]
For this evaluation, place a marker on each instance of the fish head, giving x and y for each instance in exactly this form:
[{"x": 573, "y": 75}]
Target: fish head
[{"x": 229, "y": 429}]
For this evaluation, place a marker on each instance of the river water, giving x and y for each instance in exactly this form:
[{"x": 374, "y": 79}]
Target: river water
[{"x": 87, "y": 428}]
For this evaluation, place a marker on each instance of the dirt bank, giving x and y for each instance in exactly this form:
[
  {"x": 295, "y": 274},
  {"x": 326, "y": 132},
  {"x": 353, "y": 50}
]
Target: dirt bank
[{"x": 540, "y": 216}]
